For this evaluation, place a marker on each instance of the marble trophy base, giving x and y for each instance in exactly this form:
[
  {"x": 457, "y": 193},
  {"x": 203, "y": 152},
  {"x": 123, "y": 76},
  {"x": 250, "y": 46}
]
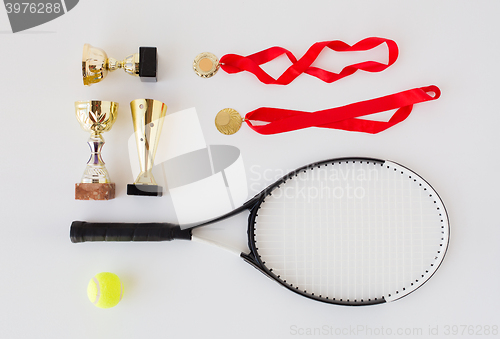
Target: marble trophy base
[{"x": 86, "y": 191}]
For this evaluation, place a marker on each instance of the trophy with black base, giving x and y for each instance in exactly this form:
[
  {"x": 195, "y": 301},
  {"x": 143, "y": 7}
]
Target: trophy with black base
[
  {"x": 96, "y": 64},
  {"x": 147, "y": 116}
]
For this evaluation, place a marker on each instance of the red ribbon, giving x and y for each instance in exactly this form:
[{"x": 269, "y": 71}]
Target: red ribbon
[
  {"x": 346, "y": 117},
  {"x": 232, "y": 63}
]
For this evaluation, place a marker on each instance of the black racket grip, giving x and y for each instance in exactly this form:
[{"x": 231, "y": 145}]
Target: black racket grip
[{"x": 82, "y": 231}]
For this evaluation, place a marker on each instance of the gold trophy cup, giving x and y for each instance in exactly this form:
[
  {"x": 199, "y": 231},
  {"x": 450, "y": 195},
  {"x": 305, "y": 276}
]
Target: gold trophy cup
[
  {"x": 147, "y": 116},
  {"x": 96, "y": 64},
  {"x": 95, "y": 117}
]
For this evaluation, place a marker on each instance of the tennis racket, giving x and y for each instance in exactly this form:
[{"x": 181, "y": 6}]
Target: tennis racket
[{"x": 343, "y": 231}]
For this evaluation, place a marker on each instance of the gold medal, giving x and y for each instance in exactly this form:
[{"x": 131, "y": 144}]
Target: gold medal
[
  {"x": 206, "y": 65},
  {"x": 228, "y": 121}
]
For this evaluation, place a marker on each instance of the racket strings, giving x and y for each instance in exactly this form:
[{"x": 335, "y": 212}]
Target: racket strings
[{"x": 351, "y": 231}]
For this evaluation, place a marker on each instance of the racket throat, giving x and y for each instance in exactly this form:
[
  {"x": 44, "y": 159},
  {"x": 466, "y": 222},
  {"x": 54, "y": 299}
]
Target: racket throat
[{"x": 250, "y": 258}]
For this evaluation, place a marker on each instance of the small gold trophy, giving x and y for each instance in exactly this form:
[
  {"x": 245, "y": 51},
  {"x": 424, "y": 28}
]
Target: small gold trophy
[
  {"x": 96, "y": 64},
  {"x": 95, "y": 117},
  {"x": 147, "y": 116}
]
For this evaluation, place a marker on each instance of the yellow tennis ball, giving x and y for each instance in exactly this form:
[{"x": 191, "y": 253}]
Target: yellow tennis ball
[{"x": 105, "y": 290}]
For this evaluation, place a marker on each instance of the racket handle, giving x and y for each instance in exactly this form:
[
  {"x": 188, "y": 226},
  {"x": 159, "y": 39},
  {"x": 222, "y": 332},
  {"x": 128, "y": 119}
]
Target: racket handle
[{"x": 82, "y": 231}]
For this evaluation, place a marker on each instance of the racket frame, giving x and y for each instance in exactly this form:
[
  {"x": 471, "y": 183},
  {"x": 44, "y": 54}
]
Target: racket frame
[{"x": 254, "y": 259}]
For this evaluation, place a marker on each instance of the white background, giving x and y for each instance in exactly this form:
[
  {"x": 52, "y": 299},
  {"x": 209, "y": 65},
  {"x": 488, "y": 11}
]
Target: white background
[{"x": 190, "y": 290}]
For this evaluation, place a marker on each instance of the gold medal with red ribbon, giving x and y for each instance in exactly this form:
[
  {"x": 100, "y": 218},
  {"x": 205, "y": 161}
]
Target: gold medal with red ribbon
[{"x": 267, "y": 120}]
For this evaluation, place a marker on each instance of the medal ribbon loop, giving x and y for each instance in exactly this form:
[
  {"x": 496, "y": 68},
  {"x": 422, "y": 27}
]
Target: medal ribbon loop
[
  {"x": 233, "y": 63},
  {"x": 345, "y": 117}
]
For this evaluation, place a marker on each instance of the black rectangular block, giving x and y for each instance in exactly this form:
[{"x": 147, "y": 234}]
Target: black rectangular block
[
  {"x": 145, "y": 190},
  {"x": 148, "y": 64}
]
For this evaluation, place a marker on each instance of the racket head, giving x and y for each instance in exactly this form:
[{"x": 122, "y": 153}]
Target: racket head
[{"x": 376, "y": 244}]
